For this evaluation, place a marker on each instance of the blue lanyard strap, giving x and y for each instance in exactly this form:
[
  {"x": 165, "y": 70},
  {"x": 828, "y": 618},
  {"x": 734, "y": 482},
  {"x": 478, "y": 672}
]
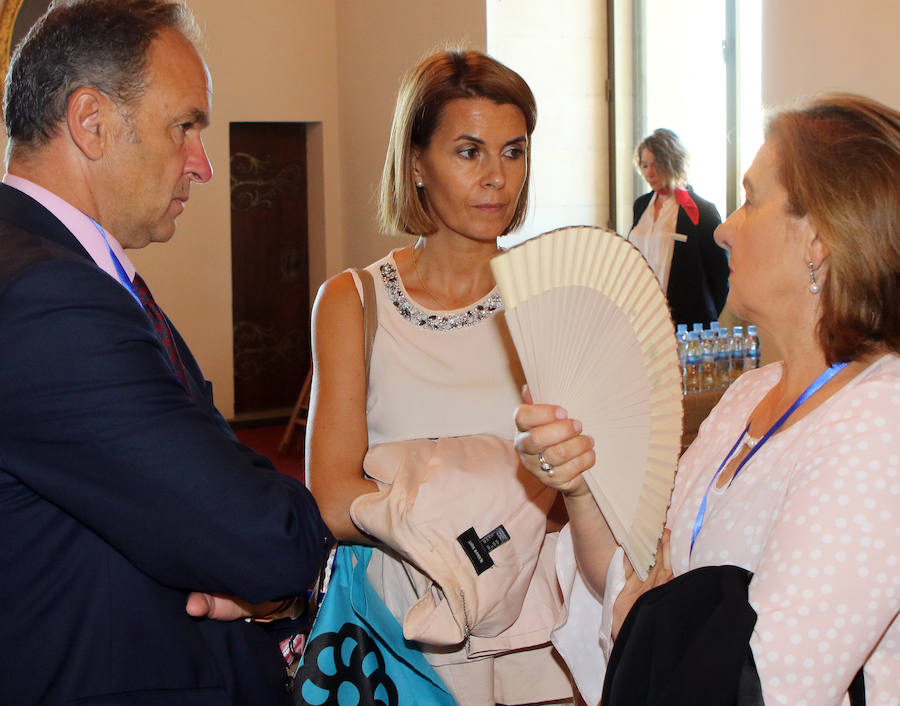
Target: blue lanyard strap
[
  {"x": 813, "y": 388},
  {"x": 120, "y": 271}
]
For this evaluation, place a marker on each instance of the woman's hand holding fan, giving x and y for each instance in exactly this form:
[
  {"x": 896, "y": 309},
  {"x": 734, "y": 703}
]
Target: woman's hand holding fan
[{"x": 593, "y": 333}]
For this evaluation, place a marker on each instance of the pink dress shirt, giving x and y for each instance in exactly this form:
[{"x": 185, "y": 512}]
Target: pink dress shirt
[{"x": 79, "y": 224}]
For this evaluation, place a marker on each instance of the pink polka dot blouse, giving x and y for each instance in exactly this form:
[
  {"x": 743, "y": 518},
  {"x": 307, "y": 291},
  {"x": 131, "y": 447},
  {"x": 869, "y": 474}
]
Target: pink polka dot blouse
[{"x": 815, "y": 514}]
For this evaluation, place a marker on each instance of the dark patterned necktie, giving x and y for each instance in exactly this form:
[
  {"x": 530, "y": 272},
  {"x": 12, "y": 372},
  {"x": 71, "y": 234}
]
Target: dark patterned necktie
[{"x": 163, "y": 332}]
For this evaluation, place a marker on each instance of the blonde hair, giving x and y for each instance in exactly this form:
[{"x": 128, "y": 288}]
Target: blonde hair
[
  {"x": 424, "y": 93},
  {"x": 670, "y": 155},
  {"x": 839, "y": 160}
]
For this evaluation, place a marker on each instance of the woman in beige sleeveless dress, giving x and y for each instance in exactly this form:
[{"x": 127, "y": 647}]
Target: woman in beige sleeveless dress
[{"x": 442, "y": 365}]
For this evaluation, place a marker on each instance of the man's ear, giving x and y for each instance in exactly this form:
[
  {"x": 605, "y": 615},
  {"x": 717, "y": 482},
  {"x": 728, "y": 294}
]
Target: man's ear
[{"x": 88, "y": 117}]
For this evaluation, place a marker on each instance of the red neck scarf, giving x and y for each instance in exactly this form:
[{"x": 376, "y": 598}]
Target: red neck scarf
[{"x": 683, "y": 197}]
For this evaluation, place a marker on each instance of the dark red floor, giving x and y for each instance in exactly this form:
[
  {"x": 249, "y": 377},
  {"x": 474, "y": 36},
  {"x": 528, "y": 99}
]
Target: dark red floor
[{"x": 265, "y": 440}]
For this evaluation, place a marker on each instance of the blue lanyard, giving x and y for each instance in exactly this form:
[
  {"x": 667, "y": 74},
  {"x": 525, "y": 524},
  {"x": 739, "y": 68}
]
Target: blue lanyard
[
  {"x": 120, "y": 271},
  {"x": 807, "y": 393}
]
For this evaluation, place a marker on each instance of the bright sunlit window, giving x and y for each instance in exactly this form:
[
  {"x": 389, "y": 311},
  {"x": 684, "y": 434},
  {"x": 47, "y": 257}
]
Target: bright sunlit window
[
  {"x": 750, "y": 83},
  {"x": 685, "y": 85},
  {"x": 670, "y": 72}
]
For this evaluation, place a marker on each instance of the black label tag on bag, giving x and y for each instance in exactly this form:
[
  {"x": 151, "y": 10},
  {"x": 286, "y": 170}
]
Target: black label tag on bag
[
  {"x": 495, "y": 538},
  {"x": 479, "y": 549}
]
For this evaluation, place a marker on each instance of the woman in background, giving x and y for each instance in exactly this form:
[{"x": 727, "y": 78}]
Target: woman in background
[
  {"x": 795, "y": 474},
  {"x": 691, "y": 267},
  {"x": 456, "y": 176}
]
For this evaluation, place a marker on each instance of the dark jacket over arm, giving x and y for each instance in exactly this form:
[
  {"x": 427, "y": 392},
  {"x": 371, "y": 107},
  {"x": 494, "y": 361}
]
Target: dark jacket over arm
[{"x": 119, "y": 494}]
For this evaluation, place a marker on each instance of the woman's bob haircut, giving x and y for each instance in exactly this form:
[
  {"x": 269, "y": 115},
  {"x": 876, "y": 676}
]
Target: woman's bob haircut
[{"x": 424, "y": 92}]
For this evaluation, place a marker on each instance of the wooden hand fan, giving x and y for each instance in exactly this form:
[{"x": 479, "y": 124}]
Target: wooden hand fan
[{"x": 593, "y": 333}]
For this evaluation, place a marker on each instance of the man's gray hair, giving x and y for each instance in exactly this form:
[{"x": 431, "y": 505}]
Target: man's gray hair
[{"x": 102, "y": 44}]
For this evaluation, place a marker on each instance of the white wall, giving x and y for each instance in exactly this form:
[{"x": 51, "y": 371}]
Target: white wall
[
  {"x": 816, "y": 45},
  {"x": 377, "y": 43},
  {"x": 270, "y": 60},
  {"x": 811, "y": 46},
  {"x": 560, "y": 50}
]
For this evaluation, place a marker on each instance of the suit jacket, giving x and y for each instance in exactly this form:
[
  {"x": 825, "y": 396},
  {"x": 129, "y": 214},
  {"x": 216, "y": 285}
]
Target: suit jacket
[
  {"x": 698, "y": 278},
  {"x": 687, "y": 642},
  {"x": 119, "y": 494}
]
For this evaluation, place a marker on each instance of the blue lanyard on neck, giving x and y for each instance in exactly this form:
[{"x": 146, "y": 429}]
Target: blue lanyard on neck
[
  {"x": 807, "y": 393},
  {"x": 120, "y": 271}
]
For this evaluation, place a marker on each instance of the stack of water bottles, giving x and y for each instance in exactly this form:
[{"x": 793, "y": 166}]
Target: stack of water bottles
[{"x": 711, "y": 359}]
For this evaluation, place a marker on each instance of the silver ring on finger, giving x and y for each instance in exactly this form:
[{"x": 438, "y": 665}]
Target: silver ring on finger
[{"x": 545, "y": 466}]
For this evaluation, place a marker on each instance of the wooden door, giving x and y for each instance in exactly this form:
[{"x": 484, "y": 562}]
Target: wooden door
[{"x": 270, "y": 274}]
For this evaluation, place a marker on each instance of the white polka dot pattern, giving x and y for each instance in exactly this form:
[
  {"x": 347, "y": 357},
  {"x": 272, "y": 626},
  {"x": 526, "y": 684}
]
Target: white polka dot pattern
[{"x": 815, "y": 515}]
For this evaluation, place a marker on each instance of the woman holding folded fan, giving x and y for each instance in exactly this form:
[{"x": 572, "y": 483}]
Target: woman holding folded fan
[
  {"x": 673, "y": 228},
  {"x": 783, "y": 526},
  {"x": 442, "y": 382}
]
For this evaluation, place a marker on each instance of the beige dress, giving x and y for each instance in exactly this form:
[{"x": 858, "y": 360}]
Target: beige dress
[{"x": 441, "y": 374}]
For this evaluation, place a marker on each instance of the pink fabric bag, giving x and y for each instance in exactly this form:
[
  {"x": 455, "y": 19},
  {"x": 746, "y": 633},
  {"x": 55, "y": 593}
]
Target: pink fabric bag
[{"x": 434, "y": 492}]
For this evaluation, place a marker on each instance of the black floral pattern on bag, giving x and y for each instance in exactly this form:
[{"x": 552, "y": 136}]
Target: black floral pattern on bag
[{"x": 354, "y": 662}]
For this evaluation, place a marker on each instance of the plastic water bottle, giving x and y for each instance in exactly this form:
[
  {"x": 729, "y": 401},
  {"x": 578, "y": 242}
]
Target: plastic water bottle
[
  {"x": 723, "y": 359},
  {"x": 692, "y": 364},
  {"x": 681, "y": 335},
  {"x": 737, "y": 352},
  {"x": 751, "y": 349},
  {"x": 707, "y": 361}
]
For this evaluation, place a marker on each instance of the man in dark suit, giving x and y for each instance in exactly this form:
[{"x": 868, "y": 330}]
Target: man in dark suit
[{"x": 122, "y": 489}]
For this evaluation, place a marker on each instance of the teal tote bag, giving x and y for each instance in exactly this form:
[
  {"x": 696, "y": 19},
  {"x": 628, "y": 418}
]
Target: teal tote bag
[{"x": 356, "y": 654}]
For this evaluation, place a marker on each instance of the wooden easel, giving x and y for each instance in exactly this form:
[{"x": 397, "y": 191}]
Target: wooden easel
[{"x": 298, "y": 416}]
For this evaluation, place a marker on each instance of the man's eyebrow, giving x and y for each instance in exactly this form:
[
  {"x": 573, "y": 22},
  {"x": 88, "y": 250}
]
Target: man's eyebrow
[{"x": 195, "y": 116}]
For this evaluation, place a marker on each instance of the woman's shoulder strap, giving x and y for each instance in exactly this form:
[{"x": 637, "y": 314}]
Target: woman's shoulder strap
[{"x": 370, "y": 315}]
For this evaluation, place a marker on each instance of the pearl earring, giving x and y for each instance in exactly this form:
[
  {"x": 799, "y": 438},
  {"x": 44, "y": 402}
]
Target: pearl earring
[
  {"x": 813, "y": 285},
  {"x": 419, "y": 184}
]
